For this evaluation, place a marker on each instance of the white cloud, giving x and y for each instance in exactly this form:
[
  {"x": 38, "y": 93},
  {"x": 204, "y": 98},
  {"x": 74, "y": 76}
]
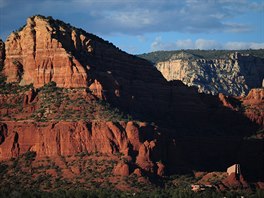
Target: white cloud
[
  {"x": 206, "y": 44},
  {"x": 136, "y": 19},
  {"x": 136, "y": 16},
  {"x": 236, "y": 27},
  {"x": 142, "y": 38},
  {"x": 184, "y": 44},
  {"x": 202, "y": 44},
  {"x": 243, "y": 45},
  {"x": 157, "y": 44},
  {"x": 257, "y": 6}
]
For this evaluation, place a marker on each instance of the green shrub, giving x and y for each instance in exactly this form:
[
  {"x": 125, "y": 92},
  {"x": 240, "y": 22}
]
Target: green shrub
[
  {"x": 30, "y": 155},
  {"x": 3, "y": 168}
]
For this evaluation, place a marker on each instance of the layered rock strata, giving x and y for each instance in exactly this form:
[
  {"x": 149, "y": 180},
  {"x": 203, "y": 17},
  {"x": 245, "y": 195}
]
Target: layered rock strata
[
  {"x": 234, "y": 75},
  {"x": 38, "y": 54},
  {"x": 70, "y": 138}
]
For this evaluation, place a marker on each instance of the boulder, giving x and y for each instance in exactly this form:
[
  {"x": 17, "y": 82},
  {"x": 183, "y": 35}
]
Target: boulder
[{"x": 121, "y": 169}]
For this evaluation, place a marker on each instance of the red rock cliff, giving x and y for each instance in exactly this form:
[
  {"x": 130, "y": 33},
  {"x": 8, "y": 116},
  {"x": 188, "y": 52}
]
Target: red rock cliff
[
  {"x": 70, "y": 138},
  {"x": 38, "y": 55},
  {"x": 254, "y": 105}
]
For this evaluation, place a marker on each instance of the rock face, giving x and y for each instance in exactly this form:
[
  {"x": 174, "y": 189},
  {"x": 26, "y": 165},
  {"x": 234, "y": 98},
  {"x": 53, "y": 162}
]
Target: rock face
[
  {"x": 3, "y": 132},
  {"x": 121, "y": 169},
  {"x": 232, "y": 182},
  {"x": 255, "y": 96},
  {"x": 40, "y": 53},
  {"x": 254, "y": 105},
  {"x": 251, "y": 105},
  {"x": 234, "y": 75},
  {"x": 69, "y": 138}
]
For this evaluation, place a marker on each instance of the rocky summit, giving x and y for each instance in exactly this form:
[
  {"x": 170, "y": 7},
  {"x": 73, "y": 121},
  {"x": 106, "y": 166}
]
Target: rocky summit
[{"x": 77, "y": 112}]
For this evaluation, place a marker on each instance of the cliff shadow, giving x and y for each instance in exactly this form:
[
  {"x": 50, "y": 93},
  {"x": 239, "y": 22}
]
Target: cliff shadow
[{"x": 211, "y": 154}]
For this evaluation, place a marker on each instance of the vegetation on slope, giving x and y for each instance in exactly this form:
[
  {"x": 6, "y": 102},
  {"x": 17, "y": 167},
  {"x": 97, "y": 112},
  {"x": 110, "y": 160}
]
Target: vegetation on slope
[
  {"x": 27, "y": 176},
  {"x": 160, "y": 56},
  {"x": 54, "y": 103}
]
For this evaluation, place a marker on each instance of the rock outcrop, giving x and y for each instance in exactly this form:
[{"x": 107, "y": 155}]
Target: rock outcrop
[
  {"x": 255, "y": 96},
  {"x": 234, "y": 75},
  {"x": 254, "y": 106},
  {"x": 232, "y": 182},
  {"x": 251, "y": 105},
  {"x": 70, "y": 138},
  {"x": 40, "y": 53},
  {"x": 121, "y": 169}
]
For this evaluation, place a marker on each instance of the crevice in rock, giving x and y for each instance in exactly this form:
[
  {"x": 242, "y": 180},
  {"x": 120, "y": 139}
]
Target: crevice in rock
[{"x": 3, "y": 132}]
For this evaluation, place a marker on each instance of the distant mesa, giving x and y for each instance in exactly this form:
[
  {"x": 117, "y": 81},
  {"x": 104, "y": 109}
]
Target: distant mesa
[{"x": 212, "y": 72}]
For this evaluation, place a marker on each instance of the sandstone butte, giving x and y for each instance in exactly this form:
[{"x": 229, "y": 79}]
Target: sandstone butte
[{"x": 46, "y": 50}]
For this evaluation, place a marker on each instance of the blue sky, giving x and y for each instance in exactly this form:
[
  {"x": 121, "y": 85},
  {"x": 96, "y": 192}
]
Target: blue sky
[{"x": 138, "y": 26}]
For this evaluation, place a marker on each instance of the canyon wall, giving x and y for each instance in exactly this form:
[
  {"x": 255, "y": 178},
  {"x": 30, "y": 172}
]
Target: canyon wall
[
  {"x": 233, "y": 75},
  {"x": 144, "y": 146},
  {"x": 141, "y": 141}
]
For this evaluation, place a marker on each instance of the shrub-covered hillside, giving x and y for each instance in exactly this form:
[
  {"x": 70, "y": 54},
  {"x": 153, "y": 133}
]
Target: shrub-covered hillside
[{"x": 159, "y": 56}]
